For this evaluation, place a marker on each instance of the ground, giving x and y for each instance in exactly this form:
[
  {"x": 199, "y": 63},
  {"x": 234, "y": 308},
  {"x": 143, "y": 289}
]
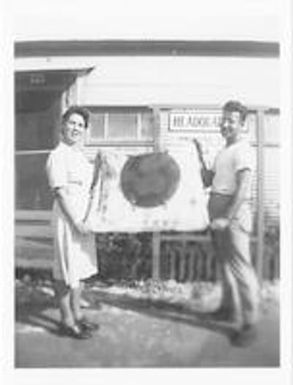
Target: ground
[{"x": 141, "y": 324}]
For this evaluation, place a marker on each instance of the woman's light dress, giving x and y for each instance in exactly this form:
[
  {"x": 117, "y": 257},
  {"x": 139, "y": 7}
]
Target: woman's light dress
[{"x": 75, "y": 255}]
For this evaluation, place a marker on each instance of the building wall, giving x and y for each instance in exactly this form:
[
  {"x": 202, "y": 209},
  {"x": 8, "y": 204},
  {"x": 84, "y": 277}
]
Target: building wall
[
  {"x": 181, "y": 80},
  {"x": 178, "y": 82}
]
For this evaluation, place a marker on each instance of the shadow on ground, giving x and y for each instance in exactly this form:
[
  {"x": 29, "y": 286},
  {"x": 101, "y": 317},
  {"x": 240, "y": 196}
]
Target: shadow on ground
[{"x": 32, "y": 308}]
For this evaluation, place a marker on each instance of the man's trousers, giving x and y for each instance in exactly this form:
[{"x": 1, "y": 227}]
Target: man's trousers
[{"x": 240, "y": 284}]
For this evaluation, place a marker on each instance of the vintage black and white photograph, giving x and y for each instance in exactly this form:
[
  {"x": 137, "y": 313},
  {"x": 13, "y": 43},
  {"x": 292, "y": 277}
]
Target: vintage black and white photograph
[{"x": 147, "y": 190}]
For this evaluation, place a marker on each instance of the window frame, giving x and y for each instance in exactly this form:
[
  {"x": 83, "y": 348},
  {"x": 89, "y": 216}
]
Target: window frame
[
  {"x": 91, "y": 140},
  {"x": 267, "y": 142}
]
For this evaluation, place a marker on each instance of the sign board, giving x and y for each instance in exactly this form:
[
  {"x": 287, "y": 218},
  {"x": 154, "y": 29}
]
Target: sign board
[
  {"x": 185, "y": 210},
  {"x": 194, "y": 120}
]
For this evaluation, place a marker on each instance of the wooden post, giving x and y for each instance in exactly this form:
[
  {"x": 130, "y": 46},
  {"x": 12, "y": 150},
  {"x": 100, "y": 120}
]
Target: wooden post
[
  {"x": 156, "y": 240},
  {"x": 182, "y": 262},
  {"x": 156, "y": 273},
  {"x": 260, "y": 195},
  {"x": 191, "y": 255}
]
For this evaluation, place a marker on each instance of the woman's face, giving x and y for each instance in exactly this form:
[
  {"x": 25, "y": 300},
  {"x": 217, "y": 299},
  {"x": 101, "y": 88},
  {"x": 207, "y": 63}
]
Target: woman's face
[{"x": 73, "y": 129}]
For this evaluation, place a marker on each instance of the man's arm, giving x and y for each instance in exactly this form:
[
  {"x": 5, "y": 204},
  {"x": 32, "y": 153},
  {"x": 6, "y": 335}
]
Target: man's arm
[
  {"x": 243, "y": 178},
  {"x": 207, "y": 175}
]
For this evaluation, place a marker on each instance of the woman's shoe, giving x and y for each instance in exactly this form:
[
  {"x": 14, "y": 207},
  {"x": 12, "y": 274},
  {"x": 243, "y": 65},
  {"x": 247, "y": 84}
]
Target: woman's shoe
[
  {"x": 87, "y": 325},
  {"x": 84, "y": 303},
  {"x": 74, "y": 332},
  {"x": 245, "y": 336}
]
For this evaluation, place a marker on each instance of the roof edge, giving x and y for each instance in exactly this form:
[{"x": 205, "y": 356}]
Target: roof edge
[{"x": 241, "y": 48}]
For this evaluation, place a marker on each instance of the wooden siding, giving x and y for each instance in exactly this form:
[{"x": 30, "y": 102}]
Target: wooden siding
[{"x": 146, "y": 81}]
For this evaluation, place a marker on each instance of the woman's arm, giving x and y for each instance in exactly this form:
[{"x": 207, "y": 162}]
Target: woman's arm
[{"x": 64, "y": 201}]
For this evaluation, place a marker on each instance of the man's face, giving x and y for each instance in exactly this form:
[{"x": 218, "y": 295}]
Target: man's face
[
  {"x": 231, "y": 125},
  {"x": 74, "y": 129}
]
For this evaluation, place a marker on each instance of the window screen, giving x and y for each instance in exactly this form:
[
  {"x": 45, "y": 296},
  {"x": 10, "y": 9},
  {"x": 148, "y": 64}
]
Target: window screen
[
  {"x": 123, "y": 125},
  {"x": 97, "y": 128},
  {"x": 272, "y": 128}
]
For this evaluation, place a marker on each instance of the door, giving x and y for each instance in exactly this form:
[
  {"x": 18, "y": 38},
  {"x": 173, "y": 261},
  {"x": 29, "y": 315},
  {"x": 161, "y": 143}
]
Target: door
[{"x": 37, "y": 118}]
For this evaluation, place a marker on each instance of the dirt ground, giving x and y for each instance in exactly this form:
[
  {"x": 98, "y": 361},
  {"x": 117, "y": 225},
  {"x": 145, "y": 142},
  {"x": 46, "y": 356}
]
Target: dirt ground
[{"x": 142, "y": 324}]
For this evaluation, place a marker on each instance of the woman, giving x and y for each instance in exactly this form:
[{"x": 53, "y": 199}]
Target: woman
[{"x": 70, "y": 177}]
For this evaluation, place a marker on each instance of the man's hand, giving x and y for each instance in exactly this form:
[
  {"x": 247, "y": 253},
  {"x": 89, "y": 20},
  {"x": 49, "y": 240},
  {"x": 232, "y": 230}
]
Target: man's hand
[
  {"x": 198, "y": 148},
  {"x": 207, "y": 175},
  {"x": 220, "y": 224}
]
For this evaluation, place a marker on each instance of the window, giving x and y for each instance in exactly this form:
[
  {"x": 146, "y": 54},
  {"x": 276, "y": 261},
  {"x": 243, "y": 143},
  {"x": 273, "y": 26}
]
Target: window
[
  {"x": 251, "y": 124},
  {"x": 271, "y": 127},
  {"x": 120, "y": 124}
]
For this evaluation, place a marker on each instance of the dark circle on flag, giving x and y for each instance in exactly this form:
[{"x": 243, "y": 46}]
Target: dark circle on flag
[{"x": 149, "y": 180}]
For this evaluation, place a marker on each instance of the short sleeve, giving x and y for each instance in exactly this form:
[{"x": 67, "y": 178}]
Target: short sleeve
[
  {"x": 56, "y": 170},
  {"x": 243, "y": 158}
]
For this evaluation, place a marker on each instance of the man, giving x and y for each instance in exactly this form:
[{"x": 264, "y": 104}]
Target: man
[{"x": 230, "y": 181}]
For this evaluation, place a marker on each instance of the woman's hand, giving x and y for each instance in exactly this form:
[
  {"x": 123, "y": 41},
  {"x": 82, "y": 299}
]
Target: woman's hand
[
  {"x": 81, "y": 228},
  {"x": 220, "y": 224},
  {"x": 98, "y": 160}
]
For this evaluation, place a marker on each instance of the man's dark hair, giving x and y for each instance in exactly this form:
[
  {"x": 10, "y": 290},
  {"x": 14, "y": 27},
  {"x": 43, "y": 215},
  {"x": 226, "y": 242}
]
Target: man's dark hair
[
  {"x": 235, "y": 106},
  {"x": 77, "y": 110}
]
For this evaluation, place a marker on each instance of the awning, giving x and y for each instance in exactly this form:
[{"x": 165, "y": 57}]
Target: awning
[
  {"x": 49, "y": 73},
  {"x": 75, "y": 65}
]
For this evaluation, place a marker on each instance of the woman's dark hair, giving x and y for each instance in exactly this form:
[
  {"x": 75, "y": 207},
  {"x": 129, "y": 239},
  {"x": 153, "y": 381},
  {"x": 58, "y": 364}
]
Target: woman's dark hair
[
  {"x": 77, "y": 110},
  {"x": 236, "y": 106}
]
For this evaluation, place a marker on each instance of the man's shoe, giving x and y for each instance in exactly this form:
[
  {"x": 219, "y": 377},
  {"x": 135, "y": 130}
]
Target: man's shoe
[
  {"x": 75, "y": 332},
  {"x": 245, "y": 336},
  {"x": 87, "y": 325}
]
